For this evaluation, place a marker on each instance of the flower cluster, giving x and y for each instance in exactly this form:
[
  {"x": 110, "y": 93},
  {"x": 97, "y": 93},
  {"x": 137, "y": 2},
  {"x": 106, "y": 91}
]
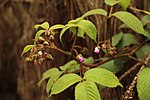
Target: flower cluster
[{"x": 106, "y": 48}]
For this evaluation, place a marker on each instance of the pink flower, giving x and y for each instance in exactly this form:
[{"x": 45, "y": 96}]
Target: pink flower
[
  {"x": 97, "y": 49},
  {"x": 80, "y": 58}
]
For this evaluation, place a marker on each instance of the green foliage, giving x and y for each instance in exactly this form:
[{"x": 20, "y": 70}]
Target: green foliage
[
  {"x": 114, "y": 65},
  {"x": 53, "y": 78},
  {"x": 116, "y": 39},
  {"x": 80, "y": 32},
  {"x": 141, "y": 53},
  {"x": 102, "y": 77},
  {"x": 60, "y": 79},
  {"x": 57, "y": 26},
  {"x": 39, "y": 33},
  {"x": 130, "y": 20},
  {"x": 89, "y": 28},
  {"x": 147, "y": 31},
  {"x": 26, "y": 49},
  {"x": 143, "y": 84},
  {"x": 112, "y": 2},
  {"x": 124, "y": 3},
  {"x": 64, "y": 82},
  {"x": 94, "y": 12},
  {"x": 73, "y": 65},
  {"x": 65, "y": 29},
  {"x": 49, "y": 73},
  {"x": 145, "y": 19},
  {"x": 87, "y": 91},
  {"x": 127, "y": 40},
  {"x": 75, "y": 21},
  {"x": 44, "y": 25}
]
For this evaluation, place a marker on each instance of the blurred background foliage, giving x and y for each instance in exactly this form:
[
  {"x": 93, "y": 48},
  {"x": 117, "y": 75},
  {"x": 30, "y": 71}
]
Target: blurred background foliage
[{"x": 18, "y": 79}]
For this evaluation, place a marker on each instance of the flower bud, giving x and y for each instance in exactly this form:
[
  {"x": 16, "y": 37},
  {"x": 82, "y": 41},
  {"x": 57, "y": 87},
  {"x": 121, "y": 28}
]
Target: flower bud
[
  {"x": 104, "y": 46},
  {"x": 97, "y": 49},
  {"x": 47, "y": 32},
  {"x": 46, "y": 43},
  {"x": 80, "y": 58},
  {"x": 51, "y": 37},
  {"x": 40, "y": 53}
]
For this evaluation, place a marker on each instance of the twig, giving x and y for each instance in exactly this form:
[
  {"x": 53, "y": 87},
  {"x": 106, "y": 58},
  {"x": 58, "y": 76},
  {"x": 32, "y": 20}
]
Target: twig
[
  {"x": 60, "y": 50},
  {"x": 130, "y": 70},
  {"x": 138, "y": 60},
  {"x": 139, "y": 10},
  {"x": 129, "y": 93}
]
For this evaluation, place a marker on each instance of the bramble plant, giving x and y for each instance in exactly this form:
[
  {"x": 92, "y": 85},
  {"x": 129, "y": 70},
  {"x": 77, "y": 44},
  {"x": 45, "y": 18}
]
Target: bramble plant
[{"x": 89, "y": 73}]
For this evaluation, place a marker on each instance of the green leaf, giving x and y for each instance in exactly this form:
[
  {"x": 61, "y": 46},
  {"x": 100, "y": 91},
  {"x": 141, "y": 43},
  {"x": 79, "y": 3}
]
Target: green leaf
[
  {"x": 80, "y": 33},
  {"x": 111, "y": 66},
  {"x": 111, "y": 2},
  {"x": 123, "y": 26},
  {"x": 65, "y": 29},
  {"x": 87, "y": 91},
  {"x": 145, "y": 19},
  {"x": 37, "y": 26},
  {"x": 124, "y": 3},
  {"x": 39, "y": 33},
  {"x": 102, "y": 77},
  {"x": 69, "y": 65},
  {"x": 143, "y": 84},
  {"x": 147, "y": 32},
  {"x": 127, "y": 40},
  {"x": 73, "y": 65},
  {"x": 44, "y": 25},
  {"x": 89, "y": 60},
  {"x": 26, "y": 49},
  {"x": 95, "y": 11},
  {"x": 116, "y": 39},
  {"x": 52, "y": 80},
  {"x": 143, "y": 52},
  {"x": 75, "y": 21},
  {"x": 57, "y": 26},
  {"x": 130, "y": 20},
  {"x": 73, "y": 30},
  {"x": 64, "y": 82},
  {"x": 49, "y": 73},
  {"x": 89, "y": 28}
]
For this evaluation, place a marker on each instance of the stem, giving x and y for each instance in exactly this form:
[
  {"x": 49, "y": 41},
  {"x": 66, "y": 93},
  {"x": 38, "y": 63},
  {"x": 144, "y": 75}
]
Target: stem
[
  {"x": 129, "y": 93},
  {"x": 74, "y": 42},
  {"x": 129, "y": 71},
  {"x": 81, "y": 70},
  {"x": 58, "y": 49},
  {"x": 139, "y": 10},
  {"x": 116, "y": 56},
  {"x": 138, "y": 60}
]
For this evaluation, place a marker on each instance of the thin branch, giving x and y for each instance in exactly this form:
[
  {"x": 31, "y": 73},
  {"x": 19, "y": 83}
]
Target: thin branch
[
  {"x": 129, "y": 71},
  {"x": 139, "y": 10},
  {"x": 58, "y": 49},
  {"x": 129, "y": 93}
]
